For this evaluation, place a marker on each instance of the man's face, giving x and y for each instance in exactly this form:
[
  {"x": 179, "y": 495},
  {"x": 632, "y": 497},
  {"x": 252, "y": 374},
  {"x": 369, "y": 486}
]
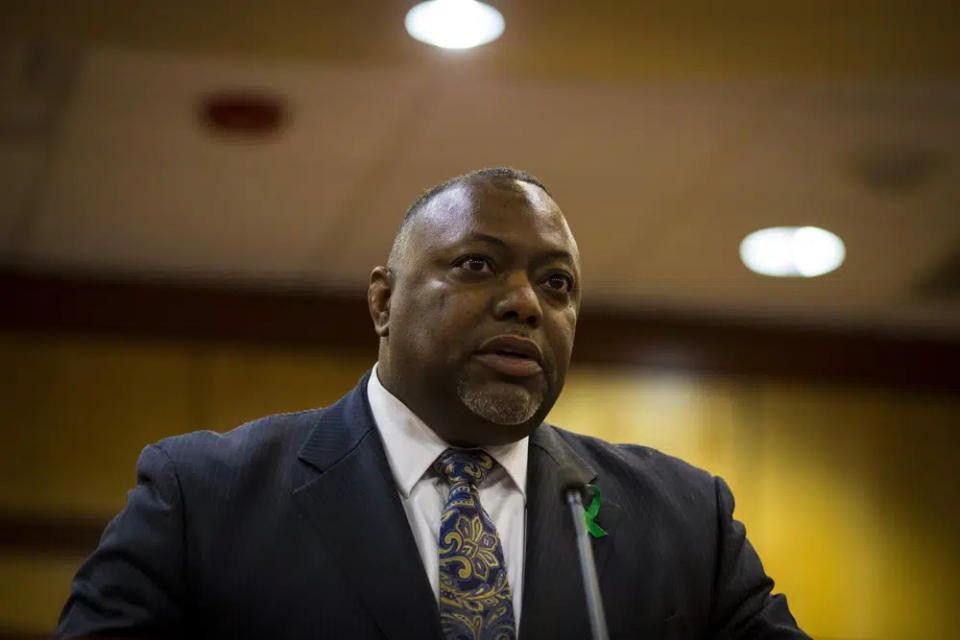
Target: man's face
[{"x": 482, "y": 312}]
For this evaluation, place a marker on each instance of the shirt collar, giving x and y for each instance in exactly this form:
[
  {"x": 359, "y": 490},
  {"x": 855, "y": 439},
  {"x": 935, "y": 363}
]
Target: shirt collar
[{"x": 411, "y": 446}]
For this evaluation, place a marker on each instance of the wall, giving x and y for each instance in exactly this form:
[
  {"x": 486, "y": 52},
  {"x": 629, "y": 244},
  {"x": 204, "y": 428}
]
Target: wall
[{"x": 848, "y": 493}]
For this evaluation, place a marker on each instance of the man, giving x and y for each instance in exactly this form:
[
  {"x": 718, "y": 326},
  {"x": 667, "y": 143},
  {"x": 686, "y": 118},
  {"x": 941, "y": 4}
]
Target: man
[{"x": 427, "y": 502}]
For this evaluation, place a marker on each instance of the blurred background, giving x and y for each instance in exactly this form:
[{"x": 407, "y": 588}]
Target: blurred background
[{"x": 192, "y": 195}]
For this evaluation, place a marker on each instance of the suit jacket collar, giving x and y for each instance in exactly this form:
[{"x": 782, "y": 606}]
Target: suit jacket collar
[
  {"x": 339, "y": 429},
  {"x": 350, "y": 497},
  {"x": 552, "y": 591}
]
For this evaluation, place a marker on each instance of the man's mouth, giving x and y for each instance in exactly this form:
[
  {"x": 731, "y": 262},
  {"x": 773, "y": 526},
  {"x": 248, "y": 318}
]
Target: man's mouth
[{"x": 511, "y": 355}]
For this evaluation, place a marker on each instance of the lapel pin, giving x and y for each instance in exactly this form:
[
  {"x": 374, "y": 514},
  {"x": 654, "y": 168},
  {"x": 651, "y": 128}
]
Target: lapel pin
[{"x": 590, "y": 514}]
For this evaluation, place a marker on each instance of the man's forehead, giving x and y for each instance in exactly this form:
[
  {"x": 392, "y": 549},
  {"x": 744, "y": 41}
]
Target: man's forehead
[{"x": 507, "y": 205}]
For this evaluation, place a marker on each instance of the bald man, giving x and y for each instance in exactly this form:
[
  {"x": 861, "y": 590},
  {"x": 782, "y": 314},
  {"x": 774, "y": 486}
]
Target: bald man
[{"x": 427, "y": 503}]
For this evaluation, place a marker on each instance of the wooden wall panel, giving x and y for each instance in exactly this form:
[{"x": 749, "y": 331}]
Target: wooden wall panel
[
  {"x": 247, "y": 383},
  {"x": 77, "y": 414},
  {"x": 33, "y": 588}
]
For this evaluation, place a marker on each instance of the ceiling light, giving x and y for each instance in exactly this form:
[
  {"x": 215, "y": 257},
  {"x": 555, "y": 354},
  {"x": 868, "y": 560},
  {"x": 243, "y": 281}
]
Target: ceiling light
[
  {"x": 454, "y": 24},
  {"x": 792, "y": 251}
]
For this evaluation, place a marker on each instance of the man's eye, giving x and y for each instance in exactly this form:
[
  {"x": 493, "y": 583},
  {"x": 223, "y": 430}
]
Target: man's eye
[
  {"x": 560, "y": 282},
  {"x": 477, "y": 264}
]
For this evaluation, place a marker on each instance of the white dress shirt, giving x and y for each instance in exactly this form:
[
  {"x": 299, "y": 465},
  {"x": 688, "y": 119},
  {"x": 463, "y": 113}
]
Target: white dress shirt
[{"x": 411, "y": 448}]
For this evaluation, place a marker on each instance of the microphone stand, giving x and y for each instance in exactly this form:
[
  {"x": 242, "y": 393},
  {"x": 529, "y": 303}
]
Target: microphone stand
[{"x": 598, "y": 623}]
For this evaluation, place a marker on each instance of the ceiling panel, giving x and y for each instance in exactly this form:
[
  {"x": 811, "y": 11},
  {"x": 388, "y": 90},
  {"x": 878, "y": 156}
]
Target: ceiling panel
[{"x": 139, "y": 184}]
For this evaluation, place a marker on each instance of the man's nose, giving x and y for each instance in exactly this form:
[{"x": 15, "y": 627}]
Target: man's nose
[{"x": 519, "y": 302}]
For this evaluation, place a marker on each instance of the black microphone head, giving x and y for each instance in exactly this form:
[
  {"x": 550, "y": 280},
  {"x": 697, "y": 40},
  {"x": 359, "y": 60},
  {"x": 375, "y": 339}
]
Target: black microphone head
[{"x": 571, "y": 479}]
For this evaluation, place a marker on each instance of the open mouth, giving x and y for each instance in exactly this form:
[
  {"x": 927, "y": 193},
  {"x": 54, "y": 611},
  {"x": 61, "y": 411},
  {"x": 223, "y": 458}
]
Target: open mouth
[
  {"x": 511, "y": 364},
  {"x": 512, "y": 354}
]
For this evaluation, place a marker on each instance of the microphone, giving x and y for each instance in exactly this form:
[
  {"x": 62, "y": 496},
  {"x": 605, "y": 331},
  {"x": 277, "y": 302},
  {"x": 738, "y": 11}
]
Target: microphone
[{"x": 572, "y": 485}]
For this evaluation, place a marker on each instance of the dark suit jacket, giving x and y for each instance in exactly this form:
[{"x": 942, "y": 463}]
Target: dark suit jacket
[{"x": 292, "y": 527}]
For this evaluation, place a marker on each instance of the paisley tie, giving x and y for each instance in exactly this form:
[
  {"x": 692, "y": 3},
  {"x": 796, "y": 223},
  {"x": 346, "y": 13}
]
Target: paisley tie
[{"x": 476, "y": 602}]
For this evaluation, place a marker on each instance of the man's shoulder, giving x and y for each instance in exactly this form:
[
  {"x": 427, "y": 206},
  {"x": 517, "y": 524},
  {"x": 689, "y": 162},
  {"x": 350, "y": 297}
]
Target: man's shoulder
[
  {"x": 636, "y": 463},
  {"x": 259, "y": 442}
]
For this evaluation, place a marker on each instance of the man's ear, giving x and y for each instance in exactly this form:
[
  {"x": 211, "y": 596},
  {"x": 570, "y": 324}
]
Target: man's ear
[{"x": 378, "y": 299}]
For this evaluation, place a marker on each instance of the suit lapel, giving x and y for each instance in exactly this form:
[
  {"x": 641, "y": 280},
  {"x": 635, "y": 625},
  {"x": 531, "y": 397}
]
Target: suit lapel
[
  {"x": 553, "y": 595},
  {"x": 350, "y": 497}
]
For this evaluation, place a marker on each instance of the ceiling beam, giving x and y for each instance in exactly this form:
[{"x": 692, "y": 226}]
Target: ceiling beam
[{"x": 646, "y": 340}]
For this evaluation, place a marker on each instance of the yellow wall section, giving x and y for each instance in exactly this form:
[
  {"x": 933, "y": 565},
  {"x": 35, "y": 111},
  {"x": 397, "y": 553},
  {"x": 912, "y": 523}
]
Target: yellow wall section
[{"x": 848, "y": 494}]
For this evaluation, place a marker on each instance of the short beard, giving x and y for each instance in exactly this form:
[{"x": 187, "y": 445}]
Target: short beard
[{"x": 506, "y": 405}]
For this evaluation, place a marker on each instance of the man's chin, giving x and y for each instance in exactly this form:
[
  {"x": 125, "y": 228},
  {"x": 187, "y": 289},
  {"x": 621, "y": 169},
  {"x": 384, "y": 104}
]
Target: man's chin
[{"x": 500, "y": 402}]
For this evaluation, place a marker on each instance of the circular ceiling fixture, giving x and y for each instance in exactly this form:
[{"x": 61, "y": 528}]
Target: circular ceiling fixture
[
  {"x": 798, "y": 252},
  {"x": 454, "y": 24}
]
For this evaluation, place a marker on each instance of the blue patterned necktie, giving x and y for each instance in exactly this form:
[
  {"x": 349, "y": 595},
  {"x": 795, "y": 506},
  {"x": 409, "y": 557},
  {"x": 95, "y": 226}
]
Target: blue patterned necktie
[{"x": 476, "y": 602}]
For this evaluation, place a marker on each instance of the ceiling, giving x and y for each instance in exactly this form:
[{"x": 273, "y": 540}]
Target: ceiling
[{"x": 665, "y": 134}]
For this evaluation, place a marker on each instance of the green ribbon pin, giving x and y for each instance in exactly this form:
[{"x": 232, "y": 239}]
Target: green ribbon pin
[{"x": 590, "y": 514}]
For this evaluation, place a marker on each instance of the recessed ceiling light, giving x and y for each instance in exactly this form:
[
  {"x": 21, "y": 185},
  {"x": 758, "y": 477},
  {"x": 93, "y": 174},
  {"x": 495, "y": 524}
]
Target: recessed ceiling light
[
  {"x": 454, "y": 24},
  {"x": 803, "y": 252}
]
